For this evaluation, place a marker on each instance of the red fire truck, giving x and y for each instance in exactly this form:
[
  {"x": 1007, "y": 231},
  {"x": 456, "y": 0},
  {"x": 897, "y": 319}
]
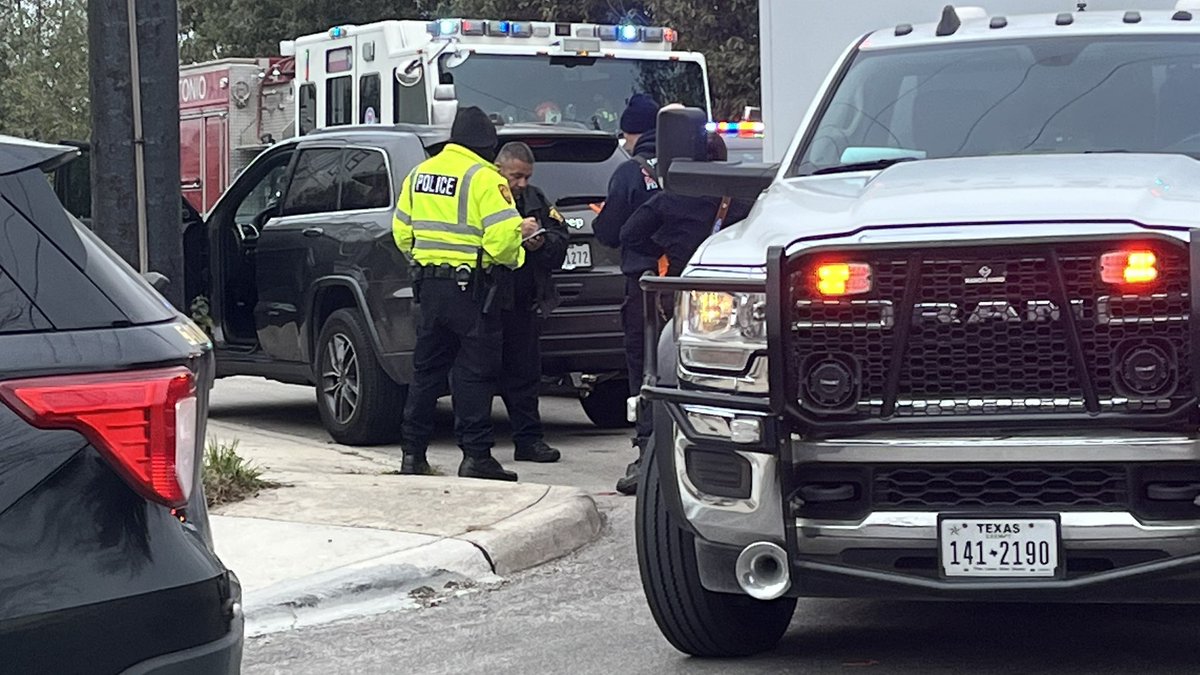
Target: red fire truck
[{"x": 230, "y": 110}]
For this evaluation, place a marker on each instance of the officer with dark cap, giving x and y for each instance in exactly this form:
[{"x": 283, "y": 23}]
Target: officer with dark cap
[
  {"x": 457, "y": 220},
  {"x": 632, "y": 184}
]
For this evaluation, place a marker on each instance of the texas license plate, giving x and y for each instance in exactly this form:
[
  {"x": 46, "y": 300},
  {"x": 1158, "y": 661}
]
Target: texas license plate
[
  {"x": 578, "y": 255},
  {"x": 998, "y": 547}
]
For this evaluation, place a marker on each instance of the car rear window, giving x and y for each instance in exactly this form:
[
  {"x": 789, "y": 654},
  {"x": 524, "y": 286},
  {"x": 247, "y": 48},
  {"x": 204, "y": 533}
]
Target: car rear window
[{"x": 55, "y": 275}]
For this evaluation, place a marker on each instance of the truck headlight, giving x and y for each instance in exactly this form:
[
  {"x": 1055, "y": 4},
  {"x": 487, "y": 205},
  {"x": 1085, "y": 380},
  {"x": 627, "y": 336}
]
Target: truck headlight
[{"x": 720, "y": 331}]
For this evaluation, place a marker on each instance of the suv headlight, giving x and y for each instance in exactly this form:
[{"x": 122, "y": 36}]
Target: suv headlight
[{"x": 720, "y": 331}]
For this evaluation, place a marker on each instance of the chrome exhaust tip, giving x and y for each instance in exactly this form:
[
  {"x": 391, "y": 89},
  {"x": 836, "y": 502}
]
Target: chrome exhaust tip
[{"x": 762, "y": 571}]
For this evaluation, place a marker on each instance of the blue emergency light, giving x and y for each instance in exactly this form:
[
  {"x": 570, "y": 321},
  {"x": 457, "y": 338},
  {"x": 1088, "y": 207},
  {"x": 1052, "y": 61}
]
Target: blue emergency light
[
  {"x": 629, "y": 33},
  {"x": 448, "y": 27}
]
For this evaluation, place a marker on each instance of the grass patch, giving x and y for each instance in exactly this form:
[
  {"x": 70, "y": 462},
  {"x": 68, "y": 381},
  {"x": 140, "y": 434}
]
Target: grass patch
[{"x": 228, "y": 477}]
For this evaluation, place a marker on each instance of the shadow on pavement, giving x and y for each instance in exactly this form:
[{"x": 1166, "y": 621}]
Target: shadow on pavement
[{"x": 997, "y": 638}]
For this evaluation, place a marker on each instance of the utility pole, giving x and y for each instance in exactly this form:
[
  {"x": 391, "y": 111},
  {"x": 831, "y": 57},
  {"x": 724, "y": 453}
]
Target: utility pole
[{"x": 136, "y": 202}]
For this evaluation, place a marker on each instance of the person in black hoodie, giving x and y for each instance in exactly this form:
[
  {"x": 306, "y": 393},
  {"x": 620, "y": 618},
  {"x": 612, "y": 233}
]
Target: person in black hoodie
[
  {"x": 674, "y": 226},
  {"x": 631, "y": 185}
]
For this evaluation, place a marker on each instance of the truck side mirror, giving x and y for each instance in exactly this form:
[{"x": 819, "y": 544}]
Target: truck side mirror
[
  {"x": 683, "y": 159},
  {"x": 681, "y": 135},
  {"x": 158, "y": 280}
]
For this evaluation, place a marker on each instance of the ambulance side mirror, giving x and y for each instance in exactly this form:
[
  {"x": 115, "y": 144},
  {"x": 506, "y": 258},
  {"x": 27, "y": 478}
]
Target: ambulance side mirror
[{"x": 445, "y": 105}]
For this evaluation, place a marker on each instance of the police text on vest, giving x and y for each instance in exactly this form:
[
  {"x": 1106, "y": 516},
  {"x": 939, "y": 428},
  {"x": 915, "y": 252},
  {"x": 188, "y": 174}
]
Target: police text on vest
[{"x": 433, "y": 184}]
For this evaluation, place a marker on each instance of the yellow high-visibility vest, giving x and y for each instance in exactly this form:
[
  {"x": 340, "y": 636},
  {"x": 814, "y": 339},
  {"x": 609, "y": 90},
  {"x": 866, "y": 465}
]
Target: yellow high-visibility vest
[{"x": 452, "y": 205}]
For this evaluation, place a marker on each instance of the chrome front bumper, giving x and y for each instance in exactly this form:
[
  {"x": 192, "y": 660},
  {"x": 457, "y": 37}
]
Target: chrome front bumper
[
  {"x": 1081, "y": 530},
  {"x": 821, "y": 545}
]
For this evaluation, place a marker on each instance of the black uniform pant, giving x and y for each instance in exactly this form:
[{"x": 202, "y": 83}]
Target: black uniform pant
[
  {"x": 521, "y": 378},
  {"x": 634, "y": 322},
  {"x": 453, "y": 334}
]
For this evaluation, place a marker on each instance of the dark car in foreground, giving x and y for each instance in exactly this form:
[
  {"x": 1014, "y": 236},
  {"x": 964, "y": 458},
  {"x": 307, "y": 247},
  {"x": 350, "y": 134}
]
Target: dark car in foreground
[{"x": 108, "y": 565}]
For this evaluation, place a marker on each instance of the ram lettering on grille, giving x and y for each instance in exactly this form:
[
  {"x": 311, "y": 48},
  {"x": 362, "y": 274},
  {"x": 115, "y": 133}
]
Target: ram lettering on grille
[{"x": 987, "y": 331}]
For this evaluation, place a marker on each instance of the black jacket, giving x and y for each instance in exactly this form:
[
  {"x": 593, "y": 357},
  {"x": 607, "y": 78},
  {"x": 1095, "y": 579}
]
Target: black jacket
[
  {"x": 532, "y": 280},
  {"x": 629, "y": 188},
  {"x": 675, "y": 226}
]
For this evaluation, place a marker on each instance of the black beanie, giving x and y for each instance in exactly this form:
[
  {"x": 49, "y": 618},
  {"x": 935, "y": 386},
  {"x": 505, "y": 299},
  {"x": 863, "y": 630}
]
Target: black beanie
[
  {"x": 641, "y": 114},
  {"x": 474, "y": 130}
]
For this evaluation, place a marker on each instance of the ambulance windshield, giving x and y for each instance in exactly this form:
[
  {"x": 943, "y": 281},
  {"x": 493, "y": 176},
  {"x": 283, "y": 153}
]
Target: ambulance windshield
[{"x": 569, "y": 90}]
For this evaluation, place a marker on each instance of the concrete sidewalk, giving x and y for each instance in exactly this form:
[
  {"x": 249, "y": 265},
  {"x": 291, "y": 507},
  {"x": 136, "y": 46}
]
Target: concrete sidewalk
[{"x": 346, "y": 536}]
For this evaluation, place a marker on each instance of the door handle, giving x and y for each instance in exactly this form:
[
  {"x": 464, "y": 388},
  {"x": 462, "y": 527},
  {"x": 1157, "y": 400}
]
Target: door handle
[{"x": 312, "y": 232}]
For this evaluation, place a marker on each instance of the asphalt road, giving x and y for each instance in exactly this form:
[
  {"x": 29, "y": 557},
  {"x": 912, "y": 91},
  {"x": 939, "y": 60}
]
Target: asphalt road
[{"x": 585, "y": 614}]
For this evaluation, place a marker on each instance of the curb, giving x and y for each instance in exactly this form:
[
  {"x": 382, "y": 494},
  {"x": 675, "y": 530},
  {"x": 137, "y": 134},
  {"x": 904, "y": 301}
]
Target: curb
[
  {"x": 559, "y": 523},
  {"x": 389, "y": 583}
]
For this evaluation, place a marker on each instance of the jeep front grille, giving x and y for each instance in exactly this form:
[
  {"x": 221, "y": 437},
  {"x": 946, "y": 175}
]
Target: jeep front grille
[{"x": 989, "y": 330}]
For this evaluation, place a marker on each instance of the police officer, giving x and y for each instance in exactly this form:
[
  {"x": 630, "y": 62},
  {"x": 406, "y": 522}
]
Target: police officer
[
  {"x": 533, "y": 292},
  {"x": 632, "y": 184},
  {"x": 457, "y": 219}
]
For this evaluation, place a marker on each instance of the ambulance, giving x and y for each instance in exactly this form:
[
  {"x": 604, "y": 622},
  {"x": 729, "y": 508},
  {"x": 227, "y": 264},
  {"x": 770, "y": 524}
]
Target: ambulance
[{"x": 406, "y": 71}]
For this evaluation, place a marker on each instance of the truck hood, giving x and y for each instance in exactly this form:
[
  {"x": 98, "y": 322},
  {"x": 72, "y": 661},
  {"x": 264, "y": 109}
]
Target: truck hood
[{"x": 967, "y": 198}]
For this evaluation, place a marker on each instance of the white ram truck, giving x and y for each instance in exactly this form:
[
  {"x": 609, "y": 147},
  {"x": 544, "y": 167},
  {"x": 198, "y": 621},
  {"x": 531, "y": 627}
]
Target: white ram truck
[{"x": 951, "y": 352}]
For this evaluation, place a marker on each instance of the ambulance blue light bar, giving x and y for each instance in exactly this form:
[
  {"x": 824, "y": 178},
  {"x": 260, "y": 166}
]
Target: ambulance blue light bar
[{"x": 629, "y": 33}]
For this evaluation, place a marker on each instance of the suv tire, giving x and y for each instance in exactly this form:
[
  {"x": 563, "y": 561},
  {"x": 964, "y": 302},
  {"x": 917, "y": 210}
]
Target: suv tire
[
  {"x": 359, "y": 403},
  {"x": 694, "y": 620},
  {"x": 605, "y": 404}
]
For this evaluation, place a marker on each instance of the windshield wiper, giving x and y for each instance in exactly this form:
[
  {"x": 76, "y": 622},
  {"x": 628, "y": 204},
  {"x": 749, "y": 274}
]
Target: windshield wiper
[{"x": 872, "y": 165}]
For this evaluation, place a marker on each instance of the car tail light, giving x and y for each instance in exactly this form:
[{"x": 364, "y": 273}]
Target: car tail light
[
  {"x": 839, "y": 278},
  {"x": 1129, "y": 267},
  {"x": 144, "y": 422}
]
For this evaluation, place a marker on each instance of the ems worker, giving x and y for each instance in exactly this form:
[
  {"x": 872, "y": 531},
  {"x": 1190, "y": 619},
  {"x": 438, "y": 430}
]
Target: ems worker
[
  {"x": 457, "y": 219},
  {"x": 533, "y": 292}
]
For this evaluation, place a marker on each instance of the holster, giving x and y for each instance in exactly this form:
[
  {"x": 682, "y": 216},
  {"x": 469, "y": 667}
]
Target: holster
[{"x": 417, "y": 276}]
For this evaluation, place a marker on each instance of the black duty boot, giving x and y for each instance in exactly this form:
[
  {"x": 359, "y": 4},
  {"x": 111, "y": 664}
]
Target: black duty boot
[
  {"x": 415, "y": 465},
  {"x": 537, "y": 452},
  {"x": 485, "y": 467},
  {"x": 628, "y": 484}
]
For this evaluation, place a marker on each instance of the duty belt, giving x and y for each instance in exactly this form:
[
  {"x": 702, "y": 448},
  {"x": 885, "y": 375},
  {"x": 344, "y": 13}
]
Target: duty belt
[{"x": 461, "y": 273}]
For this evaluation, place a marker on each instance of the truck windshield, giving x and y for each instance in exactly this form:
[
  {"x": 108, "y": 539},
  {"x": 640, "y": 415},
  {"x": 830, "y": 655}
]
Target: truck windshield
[
  {"x": 1042, "y": 95},
  {"x": 570, "y": 90}
]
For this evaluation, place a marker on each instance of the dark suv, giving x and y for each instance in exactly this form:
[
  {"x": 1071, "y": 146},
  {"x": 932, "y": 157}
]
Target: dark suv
[
  {"x": 108, "y": 560},
  {"x": 309, "y": 287}
]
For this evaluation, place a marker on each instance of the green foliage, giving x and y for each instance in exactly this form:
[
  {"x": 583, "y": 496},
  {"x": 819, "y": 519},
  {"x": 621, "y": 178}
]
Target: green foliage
[
  {"x": 221, "y": 28},
  {"x": 44, "y": 69},
  {"x": 228, "y": 477},
  {"x": 43, "y": 54}
]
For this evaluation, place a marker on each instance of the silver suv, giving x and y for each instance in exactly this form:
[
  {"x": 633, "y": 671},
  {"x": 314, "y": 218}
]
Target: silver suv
[{"x": 951, "y": 353}]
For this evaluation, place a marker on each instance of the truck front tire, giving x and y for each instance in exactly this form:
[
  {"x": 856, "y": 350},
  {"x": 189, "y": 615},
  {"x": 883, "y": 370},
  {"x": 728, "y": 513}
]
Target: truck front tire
[
  {"x": 694, "y": 620},
  {"x": 358, "y": 402}
]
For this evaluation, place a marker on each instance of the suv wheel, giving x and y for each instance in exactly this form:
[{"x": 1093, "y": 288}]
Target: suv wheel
[
  {"x": 605, "y": 404},
  {"x": 694, "y": 620},
  {"x": 358, "y": 402}
]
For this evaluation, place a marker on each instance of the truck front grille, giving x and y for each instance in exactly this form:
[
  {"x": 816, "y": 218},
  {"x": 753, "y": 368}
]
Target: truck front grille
[
  {"x": 1048, "y": 487},
  {"x": 990, "y": 330}
]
